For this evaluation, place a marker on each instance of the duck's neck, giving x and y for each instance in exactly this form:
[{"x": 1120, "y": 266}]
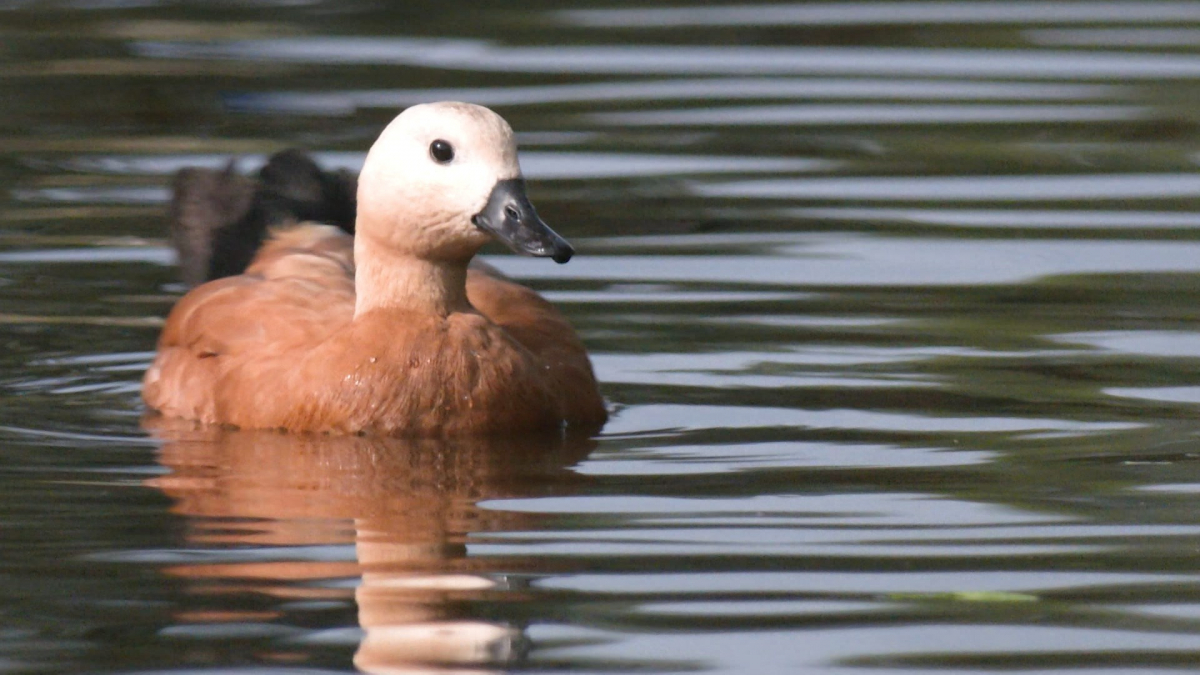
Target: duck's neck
[{"x": 389, "y": 279}]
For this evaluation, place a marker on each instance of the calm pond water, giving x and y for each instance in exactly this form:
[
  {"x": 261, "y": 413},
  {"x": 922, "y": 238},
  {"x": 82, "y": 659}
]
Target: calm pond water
[{"x": 897, "y": 305}]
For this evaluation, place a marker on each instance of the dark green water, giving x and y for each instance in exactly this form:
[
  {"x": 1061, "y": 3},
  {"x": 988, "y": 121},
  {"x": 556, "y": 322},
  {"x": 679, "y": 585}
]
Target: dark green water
[{"x": 898, "y": 306}]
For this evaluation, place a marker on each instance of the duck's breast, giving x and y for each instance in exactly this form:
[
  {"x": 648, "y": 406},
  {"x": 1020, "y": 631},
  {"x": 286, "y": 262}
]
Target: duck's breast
[
  {"x": 534, "y": 323},
  {"x": 400, "y": 373}
]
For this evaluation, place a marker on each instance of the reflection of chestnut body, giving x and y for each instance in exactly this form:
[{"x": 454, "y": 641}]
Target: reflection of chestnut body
[{"x": 408, "y": 505}]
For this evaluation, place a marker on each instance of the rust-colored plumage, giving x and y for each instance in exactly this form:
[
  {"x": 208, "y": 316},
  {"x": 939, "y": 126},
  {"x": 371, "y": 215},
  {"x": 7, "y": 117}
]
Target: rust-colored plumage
[{"x": 387, "y": 332}]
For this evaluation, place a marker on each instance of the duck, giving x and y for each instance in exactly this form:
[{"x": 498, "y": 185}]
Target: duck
[{"x": 389, "y": 331}]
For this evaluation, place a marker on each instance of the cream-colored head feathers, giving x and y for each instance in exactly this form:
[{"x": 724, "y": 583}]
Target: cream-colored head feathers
[{"x": 417, "y": 204}]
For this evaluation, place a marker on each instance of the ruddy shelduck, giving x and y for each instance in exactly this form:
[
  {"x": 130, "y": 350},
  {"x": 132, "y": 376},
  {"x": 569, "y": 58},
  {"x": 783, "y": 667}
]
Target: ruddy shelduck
[{"x": 389, "y": 331}]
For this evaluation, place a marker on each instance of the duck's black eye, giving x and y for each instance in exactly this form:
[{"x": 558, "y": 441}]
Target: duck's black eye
[{"x": 441, "y": 151}]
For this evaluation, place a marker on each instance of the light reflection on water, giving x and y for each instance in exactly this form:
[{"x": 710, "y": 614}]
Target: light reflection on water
[
  {"x": 823, "y": 260},
  {"x": 893, "y": 113},
  {"x": 671, "y": 417},
  {"x": 677, "y": 60},
  {"x": 1003, "y": 218},
  {"x": 1023, "y": 188},
  {"x": 895, "y": 305},
  {"x": 697, "y": 89},
  {"x": 920, "y": 13}
]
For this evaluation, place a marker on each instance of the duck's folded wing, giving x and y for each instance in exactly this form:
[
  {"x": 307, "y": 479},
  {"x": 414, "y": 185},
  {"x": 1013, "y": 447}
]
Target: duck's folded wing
[{"x": 298, "y": 291}]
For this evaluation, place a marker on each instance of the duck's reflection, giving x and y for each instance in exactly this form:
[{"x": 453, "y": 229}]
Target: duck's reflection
[{"x": 408, "y": 506}]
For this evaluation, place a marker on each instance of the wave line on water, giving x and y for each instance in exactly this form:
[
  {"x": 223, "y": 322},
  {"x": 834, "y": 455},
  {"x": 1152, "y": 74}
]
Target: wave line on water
[
  {"x": 486, "y": 56},
  {"x": 885, "y": 13},
  {"x": 772, "y": 88}
]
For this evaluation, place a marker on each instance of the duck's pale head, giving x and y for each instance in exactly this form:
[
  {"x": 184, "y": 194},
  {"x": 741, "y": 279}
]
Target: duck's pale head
[{"x": 442, "y": 179}]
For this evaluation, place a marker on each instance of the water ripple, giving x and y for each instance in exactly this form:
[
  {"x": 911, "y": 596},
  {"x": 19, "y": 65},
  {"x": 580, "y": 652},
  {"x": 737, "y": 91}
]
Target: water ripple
[
  {"x": 891, "y": 13},
  {"x": 484, "y": 56},
  {"x": 698, "y": 89},
  {"x": 842, "y": 115}
]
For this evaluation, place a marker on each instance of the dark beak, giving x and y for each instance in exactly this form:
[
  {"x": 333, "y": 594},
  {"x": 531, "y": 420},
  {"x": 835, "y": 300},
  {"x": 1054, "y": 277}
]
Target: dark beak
[{"x": 509, "y": 217}]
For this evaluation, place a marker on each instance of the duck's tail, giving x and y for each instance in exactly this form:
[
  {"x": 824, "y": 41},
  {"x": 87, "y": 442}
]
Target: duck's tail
[{"x": 219, "y": 218}]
